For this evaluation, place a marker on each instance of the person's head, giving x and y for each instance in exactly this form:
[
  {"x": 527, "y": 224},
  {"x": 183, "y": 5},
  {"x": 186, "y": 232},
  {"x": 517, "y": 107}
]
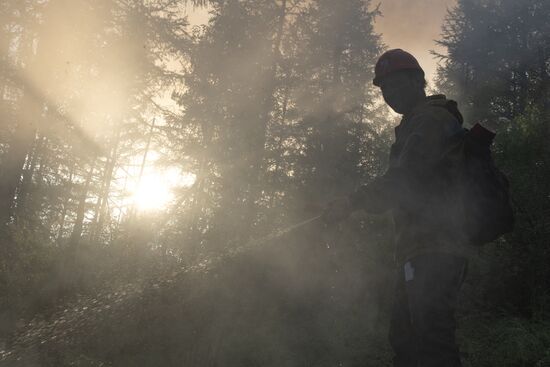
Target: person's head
[{"x": 401, "y": 80}]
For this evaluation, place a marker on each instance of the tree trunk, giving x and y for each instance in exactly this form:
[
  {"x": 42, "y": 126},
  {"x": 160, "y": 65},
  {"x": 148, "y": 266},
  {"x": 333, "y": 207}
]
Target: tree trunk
[
  {"x": 81, "y": 209},
  {"x": 257, "y": 166},
  {"x": 16, "y": 155},
  {"x": 142, "y": 168},
  {"x": 102, "y": 203},
  {"x": 63, "y": 215},
  {"x": 34, "y": 159}
]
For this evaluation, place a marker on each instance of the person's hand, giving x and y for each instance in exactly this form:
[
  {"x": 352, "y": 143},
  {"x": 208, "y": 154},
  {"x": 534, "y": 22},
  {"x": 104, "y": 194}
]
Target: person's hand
[{"x": 337, "y": 210}]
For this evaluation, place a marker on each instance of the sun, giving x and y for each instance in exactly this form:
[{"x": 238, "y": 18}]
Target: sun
[
  {"x": 155, "y": 190},
  {"x": 151, "y": 194}
]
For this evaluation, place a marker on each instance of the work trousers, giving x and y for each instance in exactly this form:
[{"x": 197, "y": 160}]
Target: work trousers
[{"x": 422, "y": 331}]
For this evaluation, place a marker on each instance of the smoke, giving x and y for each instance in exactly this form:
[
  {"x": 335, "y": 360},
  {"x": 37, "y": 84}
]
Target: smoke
[{"x": 412, "y": 25}]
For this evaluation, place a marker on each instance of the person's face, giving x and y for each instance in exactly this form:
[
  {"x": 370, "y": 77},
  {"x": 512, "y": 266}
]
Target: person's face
[{"x": 401, "y": 92}]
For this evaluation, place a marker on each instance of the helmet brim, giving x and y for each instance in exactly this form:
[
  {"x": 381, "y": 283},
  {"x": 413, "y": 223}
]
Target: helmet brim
[{"x": 377, "y": 81}]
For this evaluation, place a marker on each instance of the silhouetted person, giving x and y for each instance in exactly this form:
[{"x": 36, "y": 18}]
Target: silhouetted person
[{"x": 429, "y": 247}]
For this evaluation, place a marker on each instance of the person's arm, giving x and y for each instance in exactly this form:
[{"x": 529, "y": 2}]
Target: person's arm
[
  {"x": 380, "y": 195},
  {"x": 421, "y": 153}
]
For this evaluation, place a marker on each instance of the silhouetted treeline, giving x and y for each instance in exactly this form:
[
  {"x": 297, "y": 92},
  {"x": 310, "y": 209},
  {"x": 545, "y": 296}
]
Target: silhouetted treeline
[
  {"x": 498, "y": 67},
  {"x": 270, "y": 108}
]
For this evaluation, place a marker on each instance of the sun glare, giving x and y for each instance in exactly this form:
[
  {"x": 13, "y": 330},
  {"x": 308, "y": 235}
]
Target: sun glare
[
  {"x": 155, "y": 191},
  {"x": 152, "y": 194}
]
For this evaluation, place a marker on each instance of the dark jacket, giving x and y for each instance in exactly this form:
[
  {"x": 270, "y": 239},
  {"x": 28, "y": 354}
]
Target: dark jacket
[{"x": 414, "y": 187}]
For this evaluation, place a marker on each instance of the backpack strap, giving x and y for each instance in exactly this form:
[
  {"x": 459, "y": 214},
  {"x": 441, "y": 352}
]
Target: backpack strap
[{"x": 439, "y": 100}]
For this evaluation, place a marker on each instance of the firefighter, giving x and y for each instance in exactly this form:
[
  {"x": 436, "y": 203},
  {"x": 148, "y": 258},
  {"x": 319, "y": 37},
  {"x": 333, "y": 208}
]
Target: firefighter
[{"x": 429, "y": 247}]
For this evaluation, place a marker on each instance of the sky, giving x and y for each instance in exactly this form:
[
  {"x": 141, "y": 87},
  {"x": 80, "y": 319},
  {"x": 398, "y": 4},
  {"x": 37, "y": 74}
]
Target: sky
[{"x": 412, "y": 25}]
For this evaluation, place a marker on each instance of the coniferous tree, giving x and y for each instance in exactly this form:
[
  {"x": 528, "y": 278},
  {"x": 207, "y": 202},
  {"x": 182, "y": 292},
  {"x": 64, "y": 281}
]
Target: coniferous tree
[{"x": 497, "y": 66}]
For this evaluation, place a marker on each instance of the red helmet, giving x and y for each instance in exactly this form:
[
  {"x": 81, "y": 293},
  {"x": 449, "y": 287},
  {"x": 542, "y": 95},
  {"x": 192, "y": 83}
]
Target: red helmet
[{"x": 392, "y": 61}]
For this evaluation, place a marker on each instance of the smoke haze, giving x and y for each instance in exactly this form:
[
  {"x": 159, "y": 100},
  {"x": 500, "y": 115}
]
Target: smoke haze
[
  {"x": 164, "y": 170},
  {"x": 411, "y": 25}
]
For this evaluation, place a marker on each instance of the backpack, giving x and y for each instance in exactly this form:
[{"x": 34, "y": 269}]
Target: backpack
[{"x": 483, "y": 209}]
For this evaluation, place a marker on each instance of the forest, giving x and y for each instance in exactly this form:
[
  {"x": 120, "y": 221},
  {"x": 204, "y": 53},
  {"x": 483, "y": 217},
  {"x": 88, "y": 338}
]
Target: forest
[{"x": 152, "y": 173}]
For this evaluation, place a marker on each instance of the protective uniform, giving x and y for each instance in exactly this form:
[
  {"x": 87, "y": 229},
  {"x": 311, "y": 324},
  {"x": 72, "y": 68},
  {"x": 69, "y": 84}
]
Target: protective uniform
[
  {"x": 428, "y": 248},
  {"x": 413, "y": 188}
]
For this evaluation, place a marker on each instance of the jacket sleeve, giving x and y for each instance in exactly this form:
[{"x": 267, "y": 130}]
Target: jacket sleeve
[{"x": 421, "y": 152}]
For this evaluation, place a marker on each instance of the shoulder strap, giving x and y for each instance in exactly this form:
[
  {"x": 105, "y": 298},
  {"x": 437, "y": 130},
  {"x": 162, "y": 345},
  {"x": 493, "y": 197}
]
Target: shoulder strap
[{"x": 439, "y": 100}]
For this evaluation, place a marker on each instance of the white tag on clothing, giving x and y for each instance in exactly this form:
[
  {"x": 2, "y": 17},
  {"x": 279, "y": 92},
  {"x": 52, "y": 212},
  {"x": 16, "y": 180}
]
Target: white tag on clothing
[{"x": 409, "y": 271}]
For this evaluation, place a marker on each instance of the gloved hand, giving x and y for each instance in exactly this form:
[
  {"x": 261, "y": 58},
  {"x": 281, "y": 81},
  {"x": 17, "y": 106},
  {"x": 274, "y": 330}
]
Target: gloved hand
[{"x": 337, "y": 210}]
